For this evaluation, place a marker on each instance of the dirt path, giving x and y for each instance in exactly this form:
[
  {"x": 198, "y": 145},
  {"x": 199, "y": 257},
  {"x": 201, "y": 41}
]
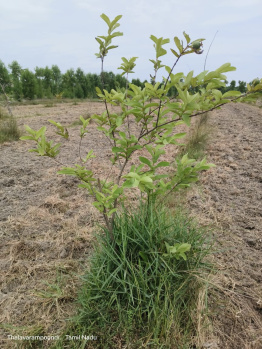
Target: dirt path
[
  {"x": 46, "y": 226},
  {"x": 230, "y": 199}
]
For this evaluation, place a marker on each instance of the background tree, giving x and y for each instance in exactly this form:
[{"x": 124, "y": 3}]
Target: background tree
[
  {"x": 90, "y": 86},
  {"x": 5, "y": 77},
  {"x": 57, "y": 79},
  {"x": 232, "y": 85},
  {"x": 48, "y": 82},
  {"x": 242, "y": 86},
  {"x": 69, "y": 83},
  {"x": 39, "y": 74},
  {"x": 29, "y": 84},
  {"x": 120, "y": 81},
  {"x": 92, "y": 80},
  {"x": 109, "y": 80},
  {"x": 96, "y": 83},
  {"x": 138, "y": 83},
  {"x": 16, "y": 71},
  {"x": 81, "y": 84}
]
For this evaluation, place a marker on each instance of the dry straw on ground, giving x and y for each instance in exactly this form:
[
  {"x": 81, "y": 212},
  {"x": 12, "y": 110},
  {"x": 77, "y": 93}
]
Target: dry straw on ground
[{"x": 47, "y": 226}]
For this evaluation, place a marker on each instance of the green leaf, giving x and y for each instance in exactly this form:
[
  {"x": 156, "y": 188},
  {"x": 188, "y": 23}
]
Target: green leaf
[
  {"x": 111, "y": 211},
  {"x": 232, "y": 94},
  {"x": 145, "y": 161},
  {"x": 163, "y": 164},
  {"x": 40, "y": 132},
  {"x": 153, "y": 104},
  {"x": 114, "y": 21},
  {"x": 146, "y": 179},
  {"x": 98, "y": 90},
  {"x": 179, "y": 135},
  {"x": 185, "y": 247},
  {"x": 106, "y": 19},
  {"x": 197, "y": 40},
  {"x": 23, "y": 138},
  {"x": 186, "y": 37},
  {"x": 118, "y": 150},
  {"x": 225, "y": 68},
  {"x": 217, "y": 94},
  {"x": 175, "y": 53},
  {"x": 116, "y": 34},
  {"x": 133, "y": 175},
  {"x": 30, "y": 130},
  {"x": 178, "y": 44},
  {"x": 99, "y": 41},
  {"x": 186, "y": 119},
  {"x": 111, "y": 47},
  {"x": 165, "y": 41},
  {"x": 178, "y": 250},
  {"x": 153, "y": 38},
  {"x": 258, "y": 87},
  {"x": 168, "y": 69},
  {"x": 188, "y": 78}
]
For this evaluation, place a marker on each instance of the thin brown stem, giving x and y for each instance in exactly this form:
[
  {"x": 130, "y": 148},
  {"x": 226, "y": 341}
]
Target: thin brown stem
[
  {"x": 79, "y": 149},
  {"x": 122, "y": 170},
  {"x": 128, "y": 121},
  {"x": 105, "y": 102},
  {"x": 168, "y": 77},
  {"x": 191, "y": 116},
  {"x": 109, "y": 226}
]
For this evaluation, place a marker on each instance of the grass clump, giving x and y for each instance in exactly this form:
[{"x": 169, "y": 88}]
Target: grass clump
[
  {"x": 197, "y": 139},
  {"x": 135, "y": 293},
  {"x": 9, "y": 130},
  {"x": 3, "y": 115},
  {"x": 50, "y": 105}
]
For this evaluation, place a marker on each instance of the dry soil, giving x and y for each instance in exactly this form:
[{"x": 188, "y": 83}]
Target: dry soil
[{"x": 47, "y": 224}]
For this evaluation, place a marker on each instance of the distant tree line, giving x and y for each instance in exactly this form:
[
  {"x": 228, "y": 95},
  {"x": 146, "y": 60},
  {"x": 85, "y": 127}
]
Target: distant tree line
[
  {"x": 50, "y": 82},
  {"x": 242, "y": 86},
  {"x": 232, "y": 86}
]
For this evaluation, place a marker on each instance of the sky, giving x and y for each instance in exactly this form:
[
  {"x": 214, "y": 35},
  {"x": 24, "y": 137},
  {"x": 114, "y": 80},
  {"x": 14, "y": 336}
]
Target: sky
[{"x": 62, "y": 32}]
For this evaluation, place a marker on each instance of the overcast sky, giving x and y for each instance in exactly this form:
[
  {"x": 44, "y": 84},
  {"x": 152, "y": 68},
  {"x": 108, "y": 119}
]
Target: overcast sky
[{"x": 62, "y": 32}]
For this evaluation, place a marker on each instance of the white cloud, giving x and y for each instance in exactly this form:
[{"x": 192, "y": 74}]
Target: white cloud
[
  {"x": 62, "y": 31},
  {"x": 16, "y": 13},
  {"x": 238, "y": 3},
  {"x": 91, "y": 5},
  {"x": 232, "y": 18}
]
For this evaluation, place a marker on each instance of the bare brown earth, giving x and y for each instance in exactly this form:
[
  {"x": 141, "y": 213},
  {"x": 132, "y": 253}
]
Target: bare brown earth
[
  {"x": 231, "y": 199},
  {"x": 47, "y": 225}
]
